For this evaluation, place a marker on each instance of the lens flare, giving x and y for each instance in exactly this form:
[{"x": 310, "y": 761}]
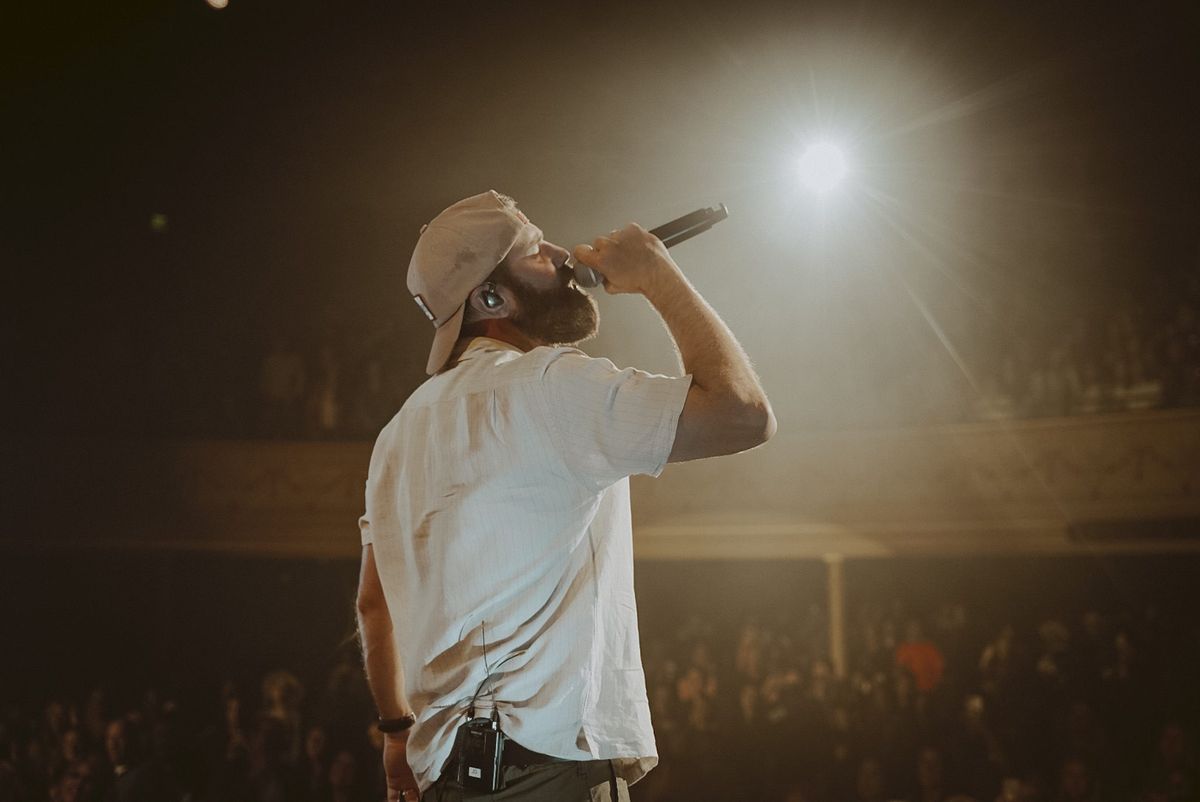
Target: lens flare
[{"x": 822, "y": 167}]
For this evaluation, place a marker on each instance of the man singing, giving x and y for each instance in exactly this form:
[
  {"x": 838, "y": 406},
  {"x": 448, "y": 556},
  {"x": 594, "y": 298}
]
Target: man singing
[{"x": 497, "y": 562}]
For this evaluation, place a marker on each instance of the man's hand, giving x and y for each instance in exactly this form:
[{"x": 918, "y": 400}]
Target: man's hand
[
  {"x": 401, "y": 783},
  {"x": 630, "y": 259}
]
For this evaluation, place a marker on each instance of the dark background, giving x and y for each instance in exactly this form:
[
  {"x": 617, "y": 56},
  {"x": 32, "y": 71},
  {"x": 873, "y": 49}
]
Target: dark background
[
  {"x": 182, "y": 184},
  {"x": 1016, "y": 166}
]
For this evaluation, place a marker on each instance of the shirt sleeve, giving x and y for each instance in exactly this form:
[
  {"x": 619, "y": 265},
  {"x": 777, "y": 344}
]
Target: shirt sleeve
[
  {"x": 612, "y": 423},
  {"x": 364, "y": 530}
]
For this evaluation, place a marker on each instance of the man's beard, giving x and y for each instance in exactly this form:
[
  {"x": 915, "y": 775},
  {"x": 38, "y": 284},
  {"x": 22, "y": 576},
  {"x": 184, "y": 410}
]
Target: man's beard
[{"x": 564, "y": 315}]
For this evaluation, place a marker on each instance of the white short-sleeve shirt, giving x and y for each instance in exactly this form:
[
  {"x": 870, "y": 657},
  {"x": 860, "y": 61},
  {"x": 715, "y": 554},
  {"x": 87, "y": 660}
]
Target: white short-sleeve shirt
[{"x": 497, "y": 504}]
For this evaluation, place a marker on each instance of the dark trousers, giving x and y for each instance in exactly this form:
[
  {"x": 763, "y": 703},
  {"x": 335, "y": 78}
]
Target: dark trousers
[{"x": 561, "y": 781}]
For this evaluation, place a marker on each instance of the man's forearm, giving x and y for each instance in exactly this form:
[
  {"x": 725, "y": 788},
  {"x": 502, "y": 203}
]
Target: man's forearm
[
  {"x": 707, "y": 347},
  {"x": 385, "y": 677}
]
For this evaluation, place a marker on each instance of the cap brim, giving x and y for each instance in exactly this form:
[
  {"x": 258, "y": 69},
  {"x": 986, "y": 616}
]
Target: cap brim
[{"x": 444, "y": 340}]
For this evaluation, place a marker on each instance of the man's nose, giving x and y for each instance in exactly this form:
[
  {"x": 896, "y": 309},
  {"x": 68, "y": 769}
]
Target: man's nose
[{"x": 558, "y": 255}]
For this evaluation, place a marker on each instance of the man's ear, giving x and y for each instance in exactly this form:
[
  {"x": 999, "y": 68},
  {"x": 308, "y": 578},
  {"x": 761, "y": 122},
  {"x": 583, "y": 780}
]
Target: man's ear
[{"x": 491, "y": 302}]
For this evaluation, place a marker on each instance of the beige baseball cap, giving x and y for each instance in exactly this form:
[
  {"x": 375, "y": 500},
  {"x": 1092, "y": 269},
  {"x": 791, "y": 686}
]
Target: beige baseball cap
[{"x": 455, "y": 253}]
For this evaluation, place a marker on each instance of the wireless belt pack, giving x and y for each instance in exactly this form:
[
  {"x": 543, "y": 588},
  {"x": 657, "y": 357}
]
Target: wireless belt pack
[{"x": 480, "y": 750}]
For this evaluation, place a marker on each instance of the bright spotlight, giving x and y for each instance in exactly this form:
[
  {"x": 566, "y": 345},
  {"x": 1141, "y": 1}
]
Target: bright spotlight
[{"x": 822, "y": 167}]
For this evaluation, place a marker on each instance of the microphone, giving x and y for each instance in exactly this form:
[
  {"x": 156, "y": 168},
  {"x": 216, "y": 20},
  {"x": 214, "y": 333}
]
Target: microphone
[{"x": 672, "y": 233}]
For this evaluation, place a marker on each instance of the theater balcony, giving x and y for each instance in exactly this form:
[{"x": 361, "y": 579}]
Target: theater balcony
[{"x": 1119, "y": 483}]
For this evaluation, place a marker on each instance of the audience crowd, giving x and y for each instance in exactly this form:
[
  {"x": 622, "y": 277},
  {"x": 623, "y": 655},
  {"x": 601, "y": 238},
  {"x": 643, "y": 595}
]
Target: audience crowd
[
  {"x": 1098, "y": 709},
  {"x": 929, "y": 708},
  {"x": 342, "y": 376},
  {"x": 1113, "y": 361},
  {"x": 270, "y": 745},
  {"x": 1129, "y": 359}
]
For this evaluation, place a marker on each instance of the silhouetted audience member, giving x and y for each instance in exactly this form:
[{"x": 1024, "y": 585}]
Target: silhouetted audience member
[
  {"x": 868, "y": 781},
  {"x": 343, "y": 778},
  {"x": 313, "y": 770},
  {"x": 120, "y": 744},
  {"x": 921, "y": 657},
  {"x": 1074, "y": 782},
  {"x": 163, "y": 777},
  {"x": 281, "y": 386},
  {"x": 930, "y": 777},
  {"x": 1172, "y": 775}
]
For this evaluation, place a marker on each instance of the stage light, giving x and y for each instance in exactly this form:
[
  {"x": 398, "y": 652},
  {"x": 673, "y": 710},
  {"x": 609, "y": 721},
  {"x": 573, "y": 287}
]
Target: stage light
[
  {"x": 217, "y": 3},
  {"x": 822, "y": 167}
]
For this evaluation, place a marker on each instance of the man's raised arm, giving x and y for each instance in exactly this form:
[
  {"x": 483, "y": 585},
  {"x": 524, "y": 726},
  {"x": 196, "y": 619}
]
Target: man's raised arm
[{"x": 726, "y": 409}]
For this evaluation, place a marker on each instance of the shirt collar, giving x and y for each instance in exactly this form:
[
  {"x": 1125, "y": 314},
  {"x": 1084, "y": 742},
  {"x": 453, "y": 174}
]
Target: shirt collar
[
  {"x": 483, "y": 345},
  {"x": 489, "y": 344},
  {"x": 486, "y": 345}
]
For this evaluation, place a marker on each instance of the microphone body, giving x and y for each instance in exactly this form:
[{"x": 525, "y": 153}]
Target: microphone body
[{"x": 672, "y": 233}]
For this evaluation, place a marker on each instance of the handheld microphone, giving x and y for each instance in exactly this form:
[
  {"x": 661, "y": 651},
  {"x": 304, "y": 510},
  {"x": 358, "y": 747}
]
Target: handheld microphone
[{"x": 672, "y": 233}]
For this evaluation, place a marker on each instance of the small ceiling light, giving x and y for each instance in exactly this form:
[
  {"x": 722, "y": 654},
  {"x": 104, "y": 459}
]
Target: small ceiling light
[{"x": 822, "y": 167}]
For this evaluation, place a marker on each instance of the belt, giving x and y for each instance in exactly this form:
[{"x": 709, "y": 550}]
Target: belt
[
  {"x": 514, "y": 755},
  {"x": 520, "y": 757}
]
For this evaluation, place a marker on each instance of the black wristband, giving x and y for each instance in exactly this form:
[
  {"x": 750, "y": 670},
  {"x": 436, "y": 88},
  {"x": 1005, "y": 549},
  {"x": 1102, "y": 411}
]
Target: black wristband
[{"x": 391, "y": 726}]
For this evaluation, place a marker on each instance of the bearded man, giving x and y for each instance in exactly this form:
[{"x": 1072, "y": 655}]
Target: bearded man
[{"x": 497, "y": 563}]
